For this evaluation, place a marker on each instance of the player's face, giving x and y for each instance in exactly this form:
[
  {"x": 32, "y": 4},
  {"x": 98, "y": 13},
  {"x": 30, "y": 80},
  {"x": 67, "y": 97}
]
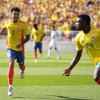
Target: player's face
[
  {"x": 79, "y": 24},
  {"x": 35, "y": 26},
  {"x": 15, "y": 16}
]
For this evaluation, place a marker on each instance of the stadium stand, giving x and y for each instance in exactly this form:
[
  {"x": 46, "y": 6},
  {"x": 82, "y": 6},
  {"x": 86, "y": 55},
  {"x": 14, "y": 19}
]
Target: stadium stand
[{"x": 62, "y": 13}]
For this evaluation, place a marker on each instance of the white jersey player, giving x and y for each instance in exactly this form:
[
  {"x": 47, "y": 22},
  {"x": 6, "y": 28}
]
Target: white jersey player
[{"x": 53, "y": 43}]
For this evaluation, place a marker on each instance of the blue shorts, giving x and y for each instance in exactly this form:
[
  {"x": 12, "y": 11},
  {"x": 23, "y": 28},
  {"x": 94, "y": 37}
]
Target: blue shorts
[
  {"x": 16, "y": 55},
  {"x": 38, "y": 45},
  {"x": 98, "y": 66}
]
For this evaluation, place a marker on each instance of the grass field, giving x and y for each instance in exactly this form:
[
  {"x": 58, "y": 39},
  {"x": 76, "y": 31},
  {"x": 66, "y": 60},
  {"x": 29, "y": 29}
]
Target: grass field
[{"x": 43, "y": 80}]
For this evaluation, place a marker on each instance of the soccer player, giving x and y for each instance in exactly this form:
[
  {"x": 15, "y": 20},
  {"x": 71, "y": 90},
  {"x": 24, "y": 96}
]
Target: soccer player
[
  {"x": 89, "y": 39},
  {"x": 53, "y": 43},
  {"x": 17, "y": 29},
  {"x": 38, "y": 35}
]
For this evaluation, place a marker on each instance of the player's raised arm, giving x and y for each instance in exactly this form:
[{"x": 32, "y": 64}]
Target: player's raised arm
[
  {"x": 74, "y": 62},
  {"x": 3, "y": 30}
]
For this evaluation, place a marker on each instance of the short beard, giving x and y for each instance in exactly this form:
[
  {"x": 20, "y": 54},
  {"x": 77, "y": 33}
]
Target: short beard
[{"x": 15, "y": 21}]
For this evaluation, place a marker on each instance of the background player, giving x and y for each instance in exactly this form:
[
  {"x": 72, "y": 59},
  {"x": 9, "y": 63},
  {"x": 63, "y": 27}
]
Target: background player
[
  {"x": 88, "y": 39},
  {"x": 53, "y": 43},
  {"x": 16, "y": 29},
  {"x": 38, "y": 35}
]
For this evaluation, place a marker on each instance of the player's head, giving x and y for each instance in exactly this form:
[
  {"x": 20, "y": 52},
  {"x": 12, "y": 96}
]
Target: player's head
[
  {"x": 82, "y": 21},
  {"x": 53, "y": 27},
  {"x": 15, "y": 11},
  {"x": 35, "y": 26}
]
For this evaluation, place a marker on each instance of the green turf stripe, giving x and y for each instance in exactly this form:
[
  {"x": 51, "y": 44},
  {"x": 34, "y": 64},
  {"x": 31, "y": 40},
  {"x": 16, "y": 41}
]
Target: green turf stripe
[
  {"x": 49, "y": 80},
  {"x": 50, "y": 71},
  {"x": 48, "y": 61},
  {"x": 80, "y": 92}
]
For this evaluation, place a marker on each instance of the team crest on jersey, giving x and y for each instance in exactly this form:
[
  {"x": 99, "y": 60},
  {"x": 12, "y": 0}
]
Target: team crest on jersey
[
  {"x": 92, "y": 37},
  {"x": 17, "y": 27}
]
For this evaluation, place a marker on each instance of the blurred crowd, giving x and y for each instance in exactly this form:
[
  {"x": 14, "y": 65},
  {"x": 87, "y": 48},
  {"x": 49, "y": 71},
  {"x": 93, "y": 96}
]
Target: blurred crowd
[{"x": 62, "y": 13}]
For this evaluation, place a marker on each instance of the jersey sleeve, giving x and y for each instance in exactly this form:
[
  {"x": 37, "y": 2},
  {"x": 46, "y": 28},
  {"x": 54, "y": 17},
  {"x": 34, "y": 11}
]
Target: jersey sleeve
[
  {"x": 43, "y": 32},
  {"x": 26, "y": 30},
  {"x": 77, "y": 41},
  {"x": 5, "y": 24},
  {"x": 32, "y": 32}
]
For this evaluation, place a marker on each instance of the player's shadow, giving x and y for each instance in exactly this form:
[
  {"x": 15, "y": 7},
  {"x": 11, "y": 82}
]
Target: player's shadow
[
  {"x": 59, "y": 97},
  {"x": 30, "y": 98},
  {"x": 67, "y": 98},
  {"x": 18, "y": 97}
]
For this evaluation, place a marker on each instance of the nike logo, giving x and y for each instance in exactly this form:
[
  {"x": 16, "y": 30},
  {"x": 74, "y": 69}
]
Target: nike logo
[{"x": 82, "y": 41}]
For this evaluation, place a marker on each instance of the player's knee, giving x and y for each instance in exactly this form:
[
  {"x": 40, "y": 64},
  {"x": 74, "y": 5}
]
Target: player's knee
[
  {"x": 98, "y": 81},
  {"x": 11, "y": 62},
  {"x": 97, "y": 78},
  {"x": 21, "y": 66},
  {"x": 50, "y": 48},
  {"x": 55, "y": 48}
]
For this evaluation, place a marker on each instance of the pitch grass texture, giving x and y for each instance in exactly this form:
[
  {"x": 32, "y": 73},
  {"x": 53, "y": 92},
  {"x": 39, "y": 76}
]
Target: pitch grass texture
[{"x": 43, "y": 80}]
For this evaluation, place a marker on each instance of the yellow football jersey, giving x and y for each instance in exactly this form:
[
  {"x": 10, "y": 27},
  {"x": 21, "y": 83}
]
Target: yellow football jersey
[
  {"x": 91, "y": 43},
  {"x": 37, "y": 34},
  {"x": 15, "y": 33}
]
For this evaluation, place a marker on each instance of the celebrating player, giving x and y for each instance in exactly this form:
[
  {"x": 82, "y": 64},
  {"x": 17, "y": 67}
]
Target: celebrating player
[
  {"x": 38, "y": 35},
  {"x": 88, "y": 39},
  {"x": 17, "y": 29},
  {"x": 53, "y": 43}
]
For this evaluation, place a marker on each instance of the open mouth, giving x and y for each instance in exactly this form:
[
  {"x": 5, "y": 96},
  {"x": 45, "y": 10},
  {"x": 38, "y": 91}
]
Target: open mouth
[{"x": 15, "y": 18}]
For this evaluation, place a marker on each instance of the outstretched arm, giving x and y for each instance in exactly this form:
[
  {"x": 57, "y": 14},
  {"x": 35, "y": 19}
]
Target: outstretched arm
[
  {"x": 24, "y": 41},
  {"x": 74, "y": 62},
  {"x": 3, "y": 30}
]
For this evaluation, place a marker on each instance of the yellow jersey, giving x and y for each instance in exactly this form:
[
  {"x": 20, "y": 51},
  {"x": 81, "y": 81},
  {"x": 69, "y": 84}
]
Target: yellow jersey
[
  {"x": 91, "y": 43},
  {"x": 15, "y": 33},
  {"x": 37, "y": 34}
]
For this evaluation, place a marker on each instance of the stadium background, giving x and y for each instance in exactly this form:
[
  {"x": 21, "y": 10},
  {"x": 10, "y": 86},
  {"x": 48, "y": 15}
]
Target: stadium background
[
  {"x": 61, "y": 13},
  {"x": 43, "y": 80}
]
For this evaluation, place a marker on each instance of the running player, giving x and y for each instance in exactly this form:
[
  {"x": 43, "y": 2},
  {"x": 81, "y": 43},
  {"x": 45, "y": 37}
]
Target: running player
[
  {"x": 53, "y": 43},
  {"x": 17, "y": 29},
  {"x": 38, "y": 35},
  {"x": 89, "y": 39}
]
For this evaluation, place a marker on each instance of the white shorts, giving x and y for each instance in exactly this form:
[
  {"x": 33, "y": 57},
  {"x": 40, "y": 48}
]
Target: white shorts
[{"x": 53, "y": 44}]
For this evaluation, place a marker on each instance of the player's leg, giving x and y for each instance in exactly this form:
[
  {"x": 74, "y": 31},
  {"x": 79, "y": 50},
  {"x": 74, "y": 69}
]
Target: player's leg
[
  {"x": 22, "y": 69},
  {"x": 35, "y": 54},
  {"x": 97, "y": 74},
  {"x": 59, "y": 57},
  {"x": 11, "y": 56},
  {"x": 55, "y": 46},
  {"x": 20, "y": 60},
  {"x": 40, "y": 48},
  {"x": 49, "y": 50},
  {"x": 10, "y": 76},
  {"x": 35, "y": 51}
]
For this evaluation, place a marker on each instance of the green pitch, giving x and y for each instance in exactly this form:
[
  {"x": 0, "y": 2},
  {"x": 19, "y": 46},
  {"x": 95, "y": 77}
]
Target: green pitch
[{"x": 43, "y": 80}]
